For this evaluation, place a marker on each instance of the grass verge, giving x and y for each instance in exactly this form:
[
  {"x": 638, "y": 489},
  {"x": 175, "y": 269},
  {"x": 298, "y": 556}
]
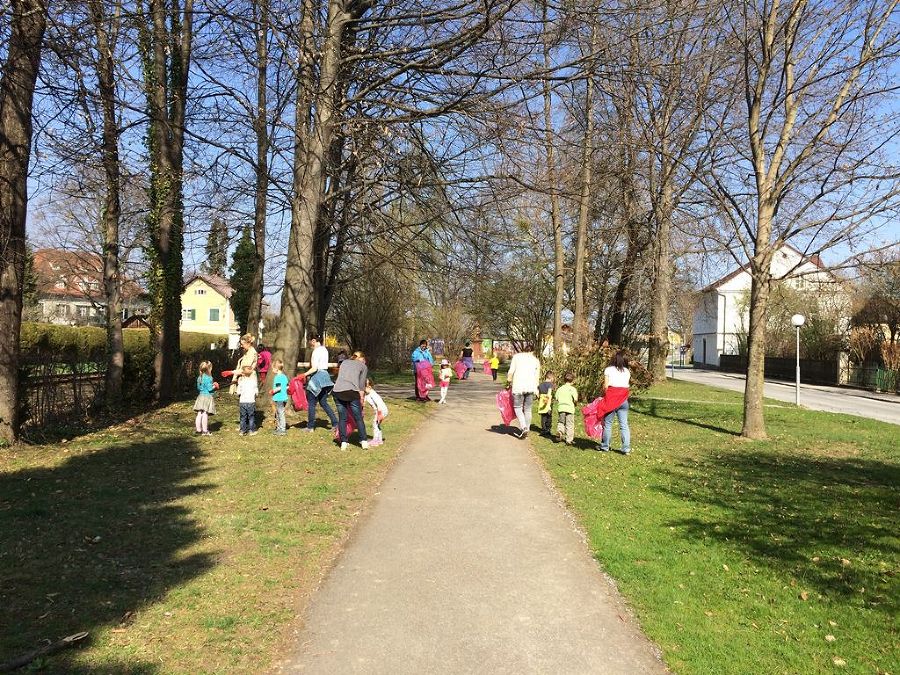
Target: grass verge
[
  {"x": 778, "y": 556},
  {"x": 179, "y": 554}
]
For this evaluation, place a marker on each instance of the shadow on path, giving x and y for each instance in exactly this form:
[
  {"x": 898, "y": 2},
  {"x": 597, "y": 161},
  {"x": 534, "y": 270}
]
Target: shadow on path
[{"x": 100, "y": 535}]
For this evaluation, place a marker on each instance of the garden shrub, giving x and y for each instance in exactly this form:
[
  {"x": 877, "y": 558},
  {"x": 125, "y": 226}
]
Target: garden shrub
[{"x": 588, "y": 366}]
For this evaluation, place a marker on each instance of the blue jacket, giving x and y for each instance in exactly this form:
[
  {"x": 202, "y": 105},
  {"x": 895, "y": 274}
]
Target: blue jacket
[{"x": 420, "y": 354}]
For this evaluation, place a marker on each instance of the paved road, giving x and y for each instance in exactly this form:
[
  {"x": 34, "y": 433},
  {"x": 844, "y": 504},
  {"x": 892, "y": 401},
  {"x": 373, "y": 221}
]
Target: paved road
[
  {"x": 884, "y": 407},
  {"x": 468, "y": 563}
]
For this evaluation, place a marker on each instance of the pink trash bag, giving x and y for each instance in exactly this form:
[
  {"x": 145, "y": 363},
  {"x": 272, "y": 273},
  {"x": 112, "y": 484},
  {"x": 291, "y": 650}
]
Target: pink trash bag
[
  {"x": 460, "y": 369},
  {"x": 487, "y": 367},
  {"x": 593, "y": 422},
  {"x": 505, "y": 404},
  {"x": 351, "y": 427},
  {"x": 297, "y": 391}
]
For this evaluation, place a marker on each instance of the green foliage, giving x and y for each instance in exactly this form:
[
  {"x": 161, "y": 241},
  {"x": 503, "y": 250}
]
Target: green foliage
[
  {"x": 29, "y": 288},
  {"x": 59, "y": 349},
  {"x": 588, "y": 366},
  {"x": 216, "y": 248},
  {"x": 243, "y": 265}
]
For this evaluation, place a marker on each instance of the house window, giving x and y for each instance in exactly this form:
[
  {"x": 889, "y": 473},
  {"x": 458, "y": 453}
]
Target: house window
[
  {"x": 214, "y": 314},
  {"x": 189, "y": 315},
  {"x": 200, "y": 291}
]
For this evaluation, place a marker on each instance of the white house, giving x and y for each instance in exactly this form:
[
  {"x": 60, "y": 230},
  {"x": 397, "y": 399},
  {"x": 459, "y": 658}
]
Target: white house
[{"x": 722, "y": 313}]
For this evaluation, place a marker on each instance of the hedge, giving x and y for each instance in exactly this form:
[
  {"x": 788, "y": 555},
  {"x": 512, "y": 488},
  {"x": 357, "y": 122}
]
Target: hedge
[
  {"x": 49, "y": 348},
  {"x": 588, "y": 367}
]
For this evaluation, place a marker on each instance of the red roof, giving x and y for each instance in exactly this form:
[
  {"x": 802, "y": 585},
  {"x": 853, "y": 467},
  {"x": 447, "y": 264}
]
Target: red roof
[{"x": 75, "y": 274}]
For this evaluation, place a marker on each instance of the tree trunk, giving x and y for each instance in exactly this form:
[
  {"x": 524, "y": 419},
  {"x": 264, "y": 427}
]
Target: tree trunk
[
  {"x": 112, "y": 286},
  {"x": 29, "y": 20},
  {"x": 754, "y": 422},
  {"x": 166, "y": 56},
  {"x": 662, "y": 279},
  {"x": 584, "y": 206},
  {"x": 616, "y": 332},
  {"x": 298, "y": 311},
  {"x": 260, "y": 126},
  {"x": 559, "y": 254}
]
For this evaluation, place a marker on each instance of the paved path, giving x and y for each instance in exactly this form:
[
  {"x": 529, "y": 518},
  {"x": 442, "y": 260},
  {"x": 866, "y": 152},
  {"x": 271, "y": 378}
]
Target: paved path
[
  {"x": 859, "y": 402},
  {"x": 467, "y": 563}
]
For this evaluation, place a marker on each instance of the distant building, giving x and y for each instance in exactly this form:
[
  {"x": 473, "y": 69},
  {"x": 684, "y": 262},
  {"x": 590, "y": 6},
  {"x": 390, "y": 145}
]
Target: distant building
[
  {"x": 70, "y": 289},
  {"x": 721, "y": 318},
  {"x": 206, "y": 306}
]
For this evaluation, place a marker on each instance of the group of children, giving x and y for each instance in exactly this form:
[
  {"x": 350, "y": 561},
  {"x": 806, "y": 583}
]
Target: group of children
[
  {"x": 247, "y": 391},
  {"x": 565, "y": 398}
]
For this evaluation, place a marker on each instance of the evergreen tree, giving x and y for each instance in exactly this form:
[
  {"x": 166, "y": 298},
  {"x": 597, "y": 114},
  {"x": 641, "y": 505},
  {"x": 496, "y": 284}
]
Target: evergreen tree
[
  {"x": 216, "y": 249},
  {"x": 30, "y": 285},
  {"x": 242, "y": 267}
]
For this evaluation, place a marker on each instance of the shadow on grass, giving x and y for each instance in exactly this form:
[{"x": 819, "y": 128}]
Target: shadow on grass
[
  {"x": 100, "y": 535},
  {"x": 652, "y": 408},
  {"x": 827, "y": 522}
]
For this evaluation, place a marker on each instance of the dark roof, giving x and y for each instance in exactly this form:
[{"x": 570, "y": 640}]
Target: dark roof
[
  {"x": 219, "y": 284},
  {"x": 814, "y": 259}
]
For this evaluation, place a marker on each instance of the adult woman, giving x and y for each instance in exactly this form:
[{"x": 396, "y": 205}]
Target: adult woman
[
  {"x": 423, "y": 370},
  {"x": 522, "y": 379},
  {"x": 466, "y": 357},
  {"x": 349, "y": 394},
  {"x": 617, "y": 379},
  {"x": 248, "y": 358},
  {"x": 318, "y": 384}
]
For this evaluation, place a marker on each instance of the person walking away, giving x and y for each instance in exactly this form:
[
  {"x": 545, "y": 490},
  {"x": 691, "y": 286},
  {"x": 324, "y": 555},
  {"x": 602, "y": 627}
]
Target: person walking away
[
  {"x": 318, "y": 384},
  {"x": 349, "y": 394},
  {"x": 617, "y": 379},
  {"x": 205, "y": 405},
  {"x": 466, "y": 357},
  {"x": 247, "y": 391},
  {"x": 545, "y": 403},
  {"x": 279, "y": 396},
  {"x": 444, "y": 376},
  {"x": 422, "y": 361},
  {"x": 380, "y": 409},
  {"x": 495, "y": 366},
  {"x": 522, "y": 379},
  {"x": 566, "y": 398}
]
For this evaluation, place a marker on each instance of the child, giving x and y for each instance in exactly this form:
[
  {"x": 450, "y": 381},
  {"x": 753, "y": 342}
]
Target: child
[
  {"x": 381, "y": 411},
  {"x": 495, "y": 366},
  {"x": 279, "y": 396},
  {"x": 205, "y": 405},
  {"x": 566, "y": 398},
  {"x": 545, "y": 403},
  {"x": 247, "y": 390},
  {"x": 445, "y": 375}
]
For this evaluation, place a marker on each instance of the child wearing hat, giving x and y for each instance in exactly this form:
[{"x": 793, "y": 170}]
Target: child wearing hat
[{"x": 444, "y": 377}]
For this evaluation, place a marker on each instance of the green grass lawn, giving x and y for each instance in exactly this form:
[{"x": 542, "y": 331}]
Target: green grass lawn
[
  {"x": 778, "y": 556},
  {"x": 179, "y": 554}
]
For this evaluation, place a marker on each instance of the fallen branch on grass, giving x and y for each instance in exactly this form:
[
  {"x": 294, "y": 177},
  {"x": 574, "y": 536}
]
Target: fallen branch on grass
[{"x": 46, "y": 650}]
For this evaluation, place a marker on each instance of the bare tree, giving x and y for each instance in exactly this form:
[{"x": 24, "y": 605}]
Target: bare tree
[
  {"x": 23, "y": 56},
  {"x": 803, "y": 157},
  {"x": 165, "y": 39}
]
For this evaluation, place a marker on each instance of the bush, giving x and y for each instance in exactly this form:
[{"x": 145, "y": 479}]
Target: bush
[{"x": 588, "y": 366}]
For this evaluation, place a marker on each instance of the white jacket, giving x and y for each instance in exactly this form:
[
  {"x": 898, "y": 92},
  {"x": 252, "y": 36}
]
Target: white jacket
[{"x": 524, "y": 373}]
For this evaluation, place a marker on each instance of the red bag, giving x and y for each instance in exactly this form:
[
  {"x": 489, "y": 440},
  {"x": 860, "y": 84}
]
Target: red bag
[
  {"x": 460, "y": 369},
  {"x": 505, "y": 404},
  {"x": 424, "y": 378},
  {"x": 593, "y": 424},
  {"x": 351, "y": 427},
  {"x": 297, "y": 391},
  {"x": 487, "y": 367}
]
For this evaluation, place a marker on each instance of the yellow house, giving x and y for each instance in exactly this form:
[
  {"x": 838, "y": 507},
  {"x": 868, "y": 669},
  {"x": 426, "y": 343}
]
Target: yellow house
[{"x": 205, "y": 306}]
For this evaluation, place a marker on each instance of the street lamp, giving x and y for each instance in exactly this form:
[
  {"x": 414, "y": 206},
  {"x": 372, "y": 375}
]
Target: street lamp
[{"x": 796, "y": 321}]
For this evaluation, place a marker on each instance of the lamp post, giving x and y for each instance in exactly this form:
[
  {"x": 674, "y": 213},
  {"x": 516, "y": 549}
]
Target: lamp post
[{"x": 796, "y": 321}]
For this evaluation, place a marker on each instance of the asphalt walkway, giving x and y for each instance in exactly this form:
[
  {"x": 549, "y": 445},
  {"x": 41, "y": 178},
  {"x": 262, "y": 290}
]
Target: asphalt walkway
[
  {"x": 858, "y": 402},
  {"x": 468, "y": 563}
]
